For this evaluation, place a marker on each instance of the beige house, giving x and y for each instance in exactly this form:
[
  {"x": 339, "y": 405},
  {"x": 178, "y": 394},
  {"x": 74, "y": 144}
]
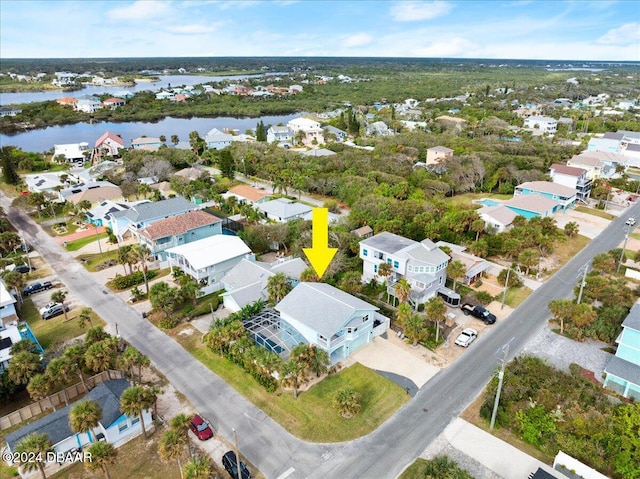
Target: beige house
[{"x": 438, "y": 153}]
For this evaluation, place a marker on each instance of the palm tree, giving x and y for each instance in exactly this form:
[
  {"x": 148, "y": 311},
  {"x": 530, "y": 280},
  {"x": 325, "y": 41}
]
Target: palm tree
[
  {"x": 435, "y": 309},
  {"x": 414, "y": 328},
  {"x": 143, "y": 189},
  {"x": 59, "y": 297},
  {"x": 277, "y": 287},
  {"x": 293, "y": 373},
  {"x": 478, "y": 227},
  {"x": 199, "y": 467},
  {"x": 317, "y": 360},
  {"x": 135, "y": 400},
  {"x": 308, "y": 275},
  {"x": 562, "y": 310},
  {"x": 189, "y": 288},
  {"x": 456, "y": 270},
  {"x": 84, "y": 317},
  {"x": 39, "y": 387},
  {"x": 528, "y": 257},
  {"x": 143, "y": 254},
  {"x": 402, "y": 290},
  {"x": 347, "y": 401},
  {"x": 131, "y": 358},
  {"x": 180, "y": 422},
  {"x": 84, "y": 416},
  {"x": 34, "y": 448},
  {"x": 571, "y": 229},
  {"x": 171, "y": 446},
  {"x": 175, "y": 139},
  {"x": 59, "y": 371},
  {"x": 75, "y": 354},
  {"x": 385, "y": 269},
  {"x": 16, "y": 281},
  {"x": 23, "y": 366},
  {"x": 102, "y": 454},
  {"x": 124, "y": 257},
  {"x": 101, "y": 355}
]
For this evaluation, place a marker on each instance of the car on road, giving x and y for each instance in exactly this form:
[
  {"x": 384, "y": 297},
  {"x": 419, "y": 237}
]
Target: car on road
[
  {"x": 46, "y": 308},
  {"x": 466, "y": 337},
  {"x": 630, "y": 222},
  {"x": 56, "y": 310},
  {"x": 23, "y": 268},
  {"x": 200, "y": 428},
  {"x": 34, "y": 288},
  {"x": 478, "y": 312},
  {"x": 230, "y": 463}
]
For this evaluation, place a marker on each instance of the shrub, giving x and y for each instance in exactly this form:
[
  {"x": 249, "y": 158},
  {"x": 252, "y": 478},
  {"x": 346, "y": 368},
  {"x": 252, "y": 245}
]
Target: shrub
[
  {"x": 169, "y": 323},
  {"x": 347, "y": 401},
  {"x": 484, "y": 297},
  {"x": 137, "y": 277}
]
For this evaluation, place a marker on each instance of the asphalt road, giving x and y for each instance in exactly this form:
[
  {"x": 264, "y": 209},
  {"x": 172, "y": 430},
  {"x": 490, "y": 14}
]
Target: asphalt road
[{"x": 382, "y": 454}]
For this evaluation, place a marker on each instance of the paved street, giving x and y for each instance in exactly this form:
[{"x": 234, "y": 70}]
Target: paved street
[{"x": 382, "y": 454}]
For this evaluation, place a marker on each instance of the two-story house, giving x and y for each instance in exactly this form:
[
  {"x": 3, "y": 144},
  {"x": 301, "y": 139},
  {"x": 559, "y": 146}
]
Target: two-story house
[
  {"x": 217, "y": 140},
  {"x": 88, "y": 104},
  {"x": 622, "y": 373},
  {"x": 563, "y": 195},
  {"x": 108, "y": 145},
  {"x": 178, "y": 230},
  {"x": 71, "y": 152},
  {"x": 437, "y": 154},
  {"x": 131, "y": 221},
  {"x": 572, "y": 177},
  {"x": 423, "y": 265},
  {"x": 308, "y": 129},
  {"x": 146, "y": 143},
  {"x": 280, "y": 135},
  {"x": 542, "y": 124}
]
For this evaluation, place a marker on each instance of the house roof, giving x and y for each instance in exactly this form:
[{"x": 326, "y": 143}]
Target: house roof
[
  {"x": 567, "y": 170},
  {"x": 363, "y": 231},
  {"x": 535, "y": 203},
  {"x": 89, "y": 185},
  {"x": 93, "y": 195},
  {"x": 190, "y": 173},
  {"x": 388, "y": 242},
  {"x": 284, "y": 208},
  {"x": 632, "y": 147},
  {"x": 111, "y": 136},
  {"x": 632, "y": 321},
  {"x": 543, "y": 119},
  {"x": 248, "y": 272},
  {"x": 105, "y": 208},
  {"x": 318, "y": 152},
  {"x": 451, "y": 119},
  {"x": 179, "y": 224},
  {"x": 322, "y": 307},
  {"x": 334, "y": 130},
  {"x": 216, "y": 135},
  {"x": 157, "y": 209},
  {"x": 500, "y": 213},
  {"x": 584, "y": 160},
  {"x": 280, "y": 129},
  {"x": 248, "y": 192},
  {"x": 143, "y": 140},
  {"x": 427, "y": 251},
  {"x": 440, "y": 149},
  {"x": 547, "y": 187},
  {"x": 56, "y": 425},
  {"x": 623, "y": 369},
  {"x": 613, "y": 136},
  {"x": 210, "y": 251}
]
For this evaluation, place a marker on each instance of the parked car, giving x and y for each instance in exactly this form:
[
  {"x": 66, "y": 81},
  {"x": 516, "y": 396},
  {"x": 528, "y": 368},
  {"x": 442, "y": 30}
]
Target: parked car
[
  {"x": 34, "y": 288},
  {"x": 200, "y": 428},
  {"x": 57, "y": 310},
  {"x": 478, "y": 312},
  {"x": 23, "y": 268},
  {"x": 630, "y": 222},
  {"x": 466, "y": 337},
  {"x": 229, "y": 461},
  {"x": 46, "y": 308}
]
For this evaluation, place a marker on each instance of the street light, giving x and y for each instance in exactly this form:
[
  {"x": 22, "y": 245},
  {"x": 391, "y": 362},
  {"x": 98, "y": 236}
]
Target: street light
[{"x": 624, "y": 246}]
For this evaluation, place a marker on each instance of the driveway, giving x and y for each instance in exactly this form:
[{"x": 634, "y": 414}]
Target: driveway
[{"x": 589, "y": 225}]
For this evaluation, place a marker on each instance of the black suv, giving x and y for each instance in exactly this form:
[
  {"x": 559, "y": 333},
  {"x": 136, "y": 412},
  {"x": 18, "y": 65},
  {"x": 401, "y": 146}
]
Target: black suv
[{"x": 231, "y": 465}]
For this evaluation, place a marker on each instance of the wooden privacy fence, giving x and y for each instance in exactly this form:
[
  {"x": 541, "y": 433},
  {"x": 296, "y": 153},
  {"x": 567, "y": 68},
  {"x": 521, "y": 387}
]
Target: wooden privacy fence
[{"x": 57, "y": 400}]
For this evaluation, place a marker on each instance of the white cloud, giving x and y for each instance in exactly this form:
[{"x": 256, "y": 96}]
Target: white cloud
[
  {"x": 453, "y": 47},
  {"x": 192, "y": 29},
  {"x": 238, "y": 5},
  {"x": 623, "y": 35},
  {"x": 415, "y": 11},
  {"x": 140, "y": 10},
  {"x": 358, "y": 40}
]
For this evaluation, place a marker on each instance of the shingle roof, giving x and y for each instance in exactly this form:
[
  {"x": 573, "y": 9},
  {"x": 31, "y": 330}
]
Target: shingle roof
[
  {"x": 56, "y": 424},
  {"x": 248, "y": 192},
  {"x": 95, "y": 195},
  {"x": 322, "y": 307},
  {"x": 547, "y": 187},
  {"x": 500, "y": 213},
  {"x": 179, "y": 224},
  {"x": 426, "y": 251},
  {"x": 248, "y": 272},
  {"x": 111, "y": 136},
  {"x": 157, "y": 209},
  {"x": 567, "y": 170},
  {"x": 284, "y": 208},
  {"x": 632, "y": 321},
  {"x": 623, "y": 369},
  {"x": 534, "y": 203},
  {"x": 388, "y": 242}
]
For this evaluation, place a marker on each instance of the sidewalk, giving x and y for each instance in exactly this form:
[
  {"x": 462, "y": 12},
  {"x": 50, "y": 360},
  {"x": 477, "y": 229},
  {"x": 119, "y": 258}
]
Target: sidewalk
[{"x": 482, "y": 454}]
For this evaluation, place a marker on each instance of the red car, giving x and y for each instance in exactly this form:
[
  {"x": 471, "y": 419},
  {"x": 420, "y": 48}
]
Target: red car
[{"x": 200, "y": 428}]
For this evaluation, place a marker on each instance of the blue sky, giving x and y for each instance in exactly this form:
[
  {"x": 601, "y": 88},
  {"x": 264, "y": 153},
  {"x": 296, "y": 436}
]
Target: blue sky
[{"x": 554, "y": 30}]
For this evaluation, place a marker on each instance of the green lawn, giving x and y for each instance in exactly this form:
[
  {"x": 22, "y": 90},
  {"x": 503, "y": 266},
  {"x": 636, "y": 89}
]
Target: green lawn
[
  {"x": 75, "y": 245},
  {"x": 467, "y": 198},
  {"x": 594, "y": 212},
  {"x": 55, "y": 330},
  {"x": 515, "y": 296},
  {"x": 311, "y": 417},
  {"x": 92, "y": 261}
]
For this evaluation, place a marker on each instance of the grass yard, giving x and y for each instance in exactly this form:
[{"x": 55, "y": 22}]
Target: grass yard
[
  {"x": 565, "y": 250},
  {"x": 467, "y": 198},
  {"x": 92, "y": 261},
  {"x": 75, "y": 245},
  {"x": 136, "y": 459},
  {"x": 515, "y": 296},
  {"x": 311, "y": 417},
  {"x": 55, "y": 330},
  {"x": 594, "y": 212}
]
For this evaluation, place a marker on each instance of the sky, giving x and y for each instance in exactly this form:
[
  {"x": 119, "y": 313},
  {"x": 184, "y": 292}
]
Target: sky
[{"x": 510, "y": 29}]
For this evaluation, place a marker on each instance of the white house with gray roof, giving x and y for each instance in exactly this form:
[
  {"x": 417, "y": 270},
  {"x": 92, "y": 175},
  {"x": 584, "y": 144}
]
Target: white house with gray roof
[
  {"x": 423, "y": 265},
  {"x": 320, "y": 314},
  {"x": 138, "y": 217},
  {"x": 282, "y": 210},
  {"x": 280, "y": 135},
  {"x": 114, "y": 427},
  {"x": 247, "y": 281},
  {"x": 217, "y": 140},
  {"x": 622, "y": 373},
  {"x": 565, "y": 196},
  {"x": 498, "y": 218}
]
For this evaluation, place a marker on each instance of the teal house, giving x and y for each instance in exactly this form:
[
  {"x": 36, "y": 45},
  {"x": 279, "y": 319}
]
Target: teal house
[
  {"x": 564, "y": 196},
  {"x": 622, "y": 374}
]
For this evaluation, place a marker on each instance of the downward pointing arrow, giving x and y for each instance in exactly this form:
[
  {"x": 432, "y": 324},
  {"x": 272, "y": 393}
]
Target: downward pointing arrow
[{"x": 320, "y": 255}]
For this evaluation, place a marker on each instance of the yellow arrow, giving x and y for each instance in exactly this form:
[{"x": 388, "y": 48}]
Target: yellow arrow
[{"x": 320, "y": 255}]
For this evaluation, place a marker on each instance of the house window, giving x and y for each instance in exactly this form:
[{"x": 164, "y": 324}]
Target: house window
[
  {"x": 396, "y": 264},
  {"x": 122, "y": 426},
  {"x": 410, "y": 268},
  {"x": 135, "y": 420},
  {"x": 439, "y": 279},
  {"x": 365, "y": 252},
  {"x": 389, "y": 260},
  {"x": 375, "y": 268}
]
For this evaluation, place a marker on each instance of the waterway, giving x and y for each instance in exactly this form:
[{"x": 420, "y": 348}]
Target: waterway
[
  {"x": 165, "y": 81},
  {"x": 43, "y": 139}
]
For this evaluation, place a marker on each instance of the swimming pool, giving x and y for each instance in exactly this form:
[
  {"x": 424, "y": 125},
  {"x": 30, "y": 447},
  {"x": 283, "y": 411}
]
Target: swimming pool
[{"x": 488, "y": 202}]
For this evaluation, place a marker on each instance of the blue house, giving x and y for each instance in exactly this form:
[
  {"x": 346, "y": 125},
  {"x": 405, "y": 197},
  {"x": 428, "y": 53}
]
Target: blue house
[
  {"x": 146, "y": 143},
  {"x": 178, "y": 230},
  {"x": 563, "y": 195},
  {"x": 113, "y": 427},
  {"x": 217, "y": 140},
  {"x": 622, "y": 374}
]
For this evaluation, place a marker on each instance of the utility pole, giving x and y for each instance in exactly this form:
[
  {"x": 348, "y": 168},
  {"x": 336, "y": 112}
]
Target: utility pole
[
  {"x": 585, "y": 270},
  {"x": 505, "y": 349},
  {"x": 98, "y": 238},
  {"x": 235, "y": 442},
  {"x": 624, "y": 247},
  {"x": 506, "y": 286}
]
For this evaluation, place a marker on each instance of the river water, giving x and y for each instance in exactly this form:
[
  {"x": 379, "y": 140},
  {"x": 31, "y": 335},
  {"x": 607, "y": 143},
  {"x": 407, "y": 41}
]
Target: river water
[{"x": 44, "y": 139}]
